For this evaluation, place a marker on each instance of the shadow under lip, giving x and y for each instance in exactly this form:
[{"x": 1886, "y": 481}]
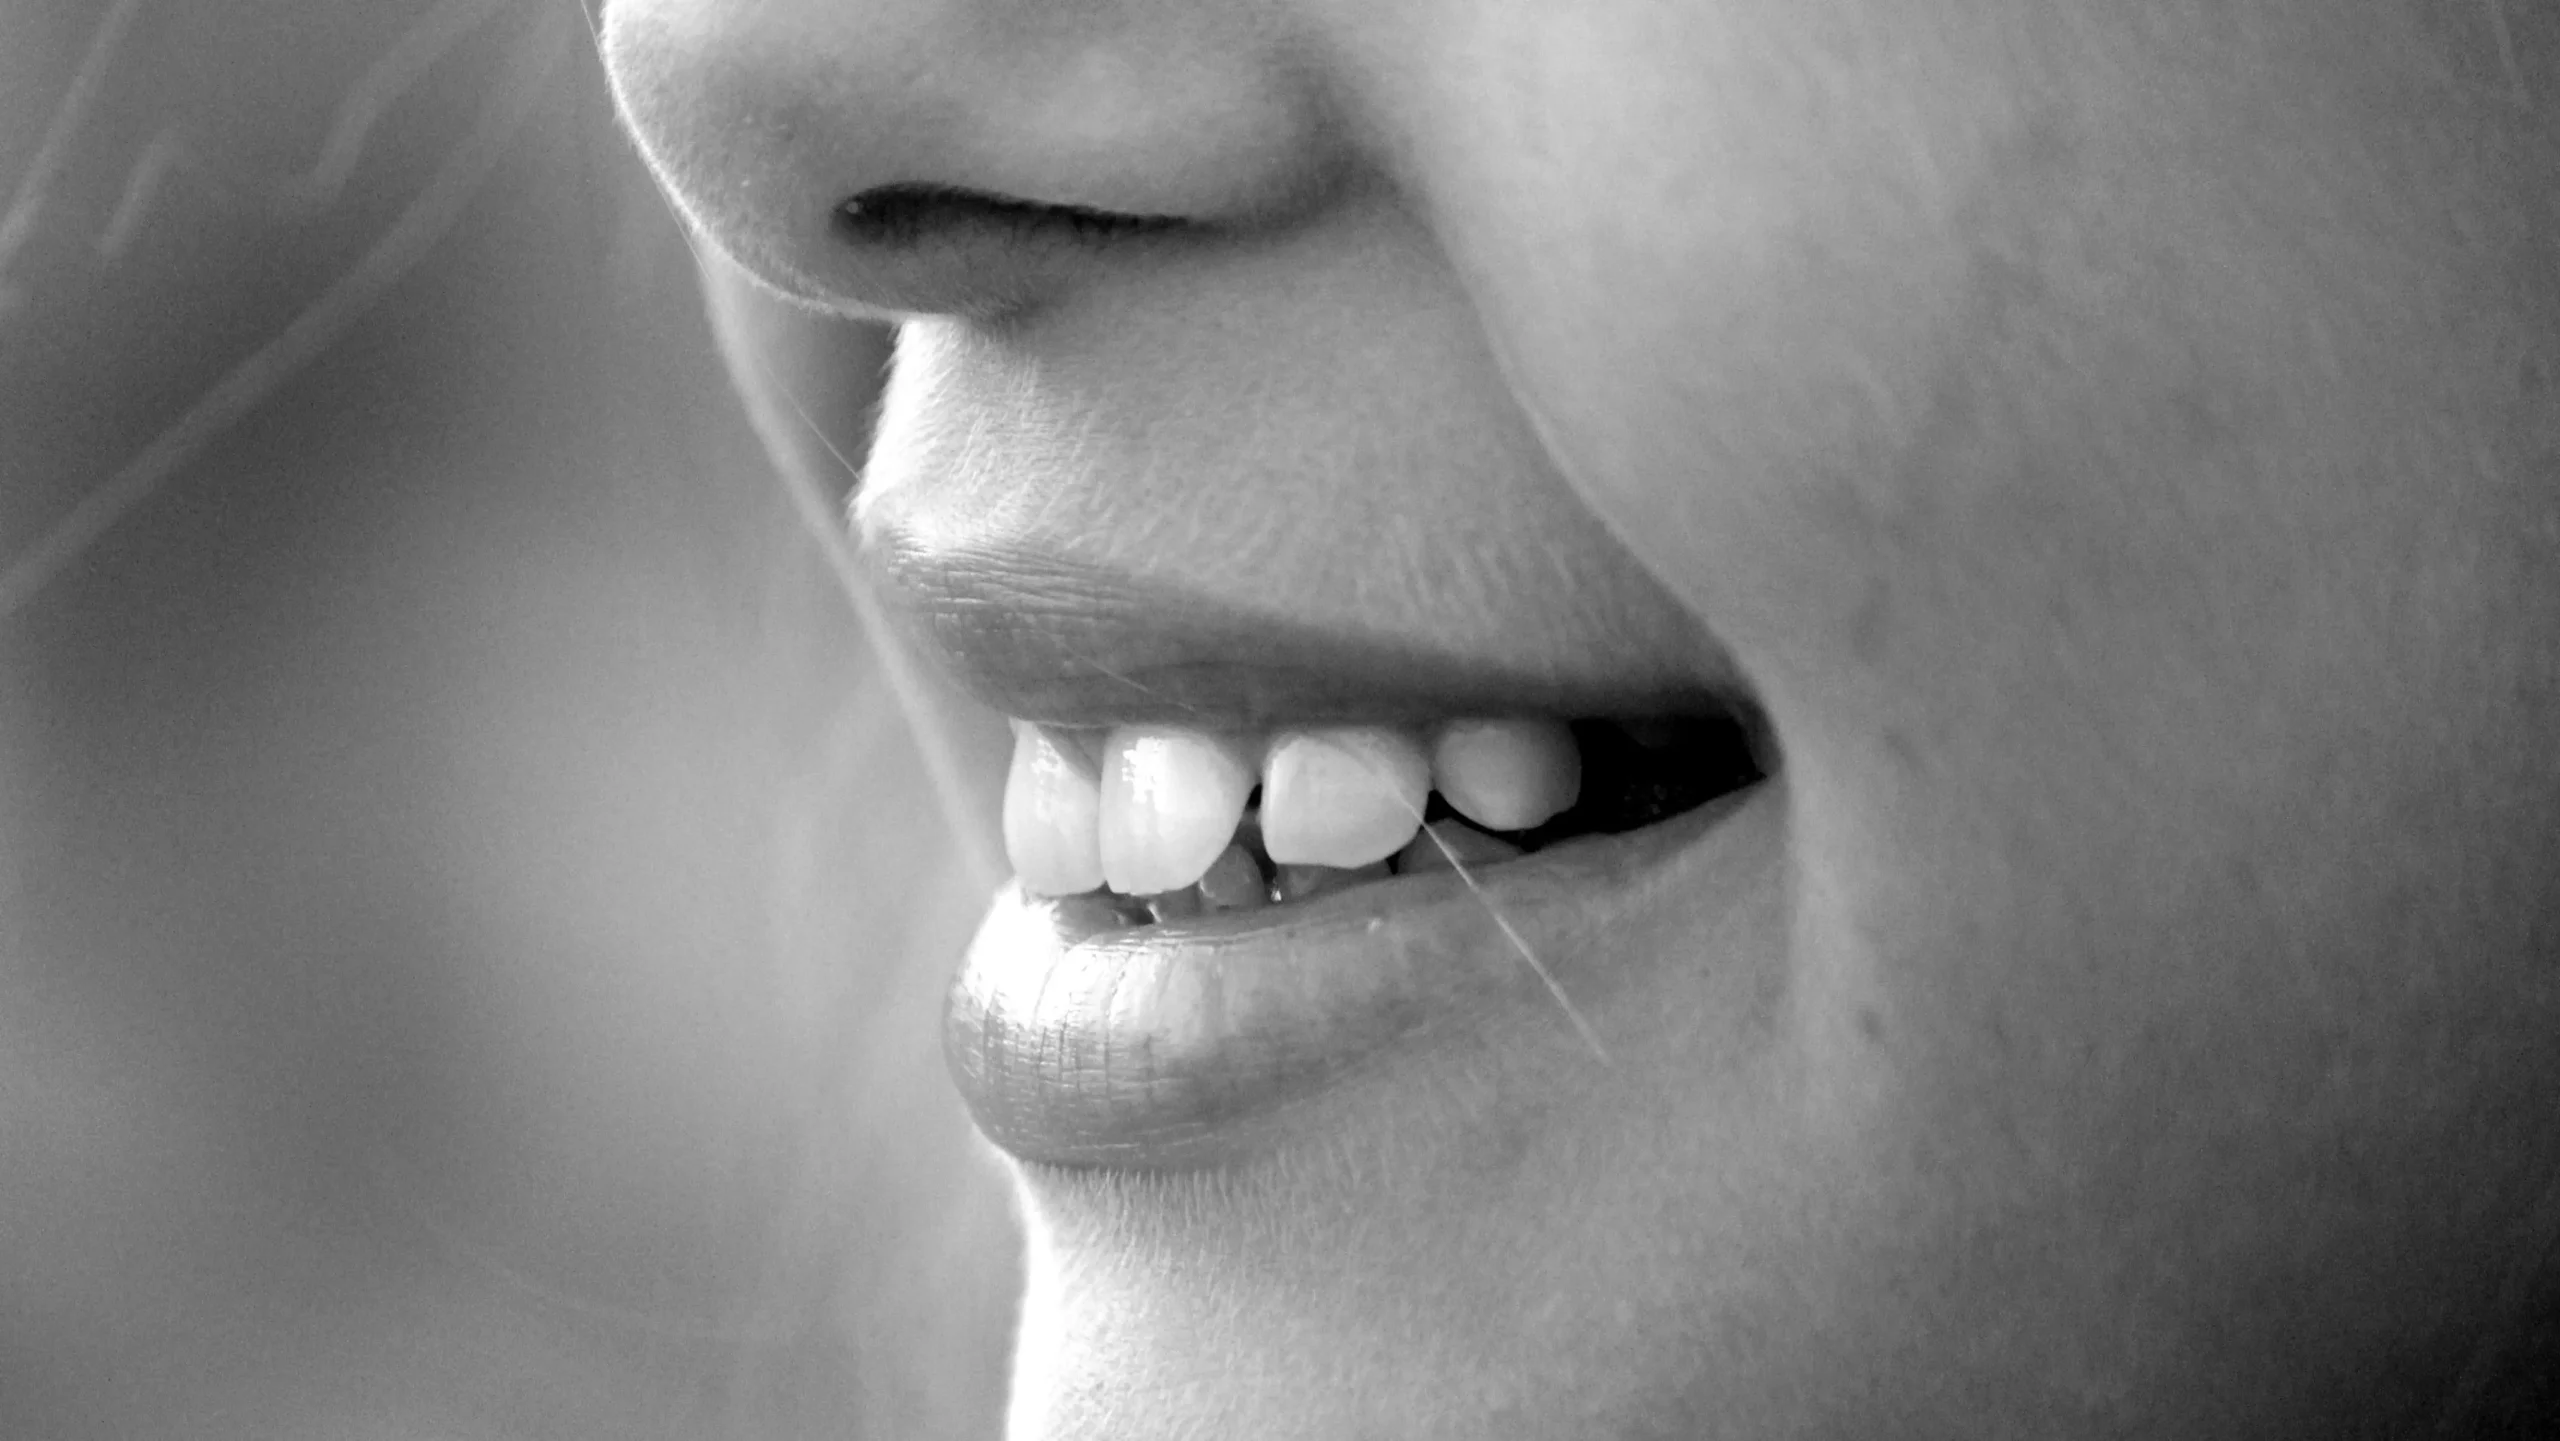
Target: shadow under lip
[{"x": 1204, "y": 1043}]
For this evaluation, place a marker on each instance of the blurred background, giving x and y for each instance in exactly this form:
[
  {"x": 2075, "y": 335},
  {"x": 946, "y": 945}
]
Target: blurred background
[{"x": 473, "y": 914}]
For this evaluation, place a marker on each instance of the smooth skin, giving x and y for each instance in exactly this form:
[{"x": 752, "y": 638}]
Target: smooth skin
[{"x": 2117, "y": 444}]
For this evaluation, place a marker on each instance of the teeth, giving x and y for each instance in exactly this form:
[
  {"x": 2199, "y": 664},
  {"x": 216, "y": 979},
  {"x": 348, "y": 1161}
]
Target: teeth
[
  {"x": 1440, "y": 841},
  {"x": 1507, "y": 775},
  {"x": 1170, "y": 802},
  {"x": 1157, "y": 813},
  {"x": 1052, "y": 808},
  {"x": 1234, "y": 882},
  {"x": 1179, "y": 905},
  {"x": 1344, "y": 796}
]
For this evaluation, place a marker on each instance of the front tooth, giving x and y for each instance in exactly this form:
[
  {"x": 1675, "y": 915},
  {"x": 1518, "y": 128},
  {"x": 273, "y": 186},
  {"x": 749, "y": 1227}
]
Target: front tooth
[
  {"x": 1344, "y": 796},
  {"x": 1052, "y": 811},
  {"x": 1170, "y": 802},
  {"x": 1507, "y": 775}
]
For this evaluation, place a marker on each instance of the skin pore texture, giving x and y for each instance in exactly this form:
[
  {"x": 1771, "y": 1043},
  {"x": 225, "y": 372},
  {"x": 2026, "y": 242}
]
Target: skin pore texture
[{"x": 2117, "y": 444}]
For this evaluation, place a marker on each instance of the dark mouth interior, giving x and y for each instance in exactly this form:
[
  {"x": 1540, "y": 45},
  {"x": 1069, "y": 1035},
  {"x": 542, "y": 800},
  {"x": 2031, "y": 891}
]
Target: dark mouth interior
[
  {"x": 1634, "y": 774},
  {"x": 1628, "y": 784}
]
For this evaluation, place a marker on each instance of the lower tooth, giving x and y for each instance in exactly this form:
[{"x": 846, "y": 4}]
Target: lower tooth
[
  {"x": 1234, "y": 882},
  {"x": 1297, "y": 883},
  {"x": 1081, "y": 917},
  {"x": 1179, "y": 905}
]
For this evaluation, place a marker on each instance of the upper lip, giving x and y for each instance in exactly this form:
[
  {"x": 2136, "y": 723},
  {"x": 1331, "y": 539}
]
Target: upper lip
[{"x": 1049, "y": 639}]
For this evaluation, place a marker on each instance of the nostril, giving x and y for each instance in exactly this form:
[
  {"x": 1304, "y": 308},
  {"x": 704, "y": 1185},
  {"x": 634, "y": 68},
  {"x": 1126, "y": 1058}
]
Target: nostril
[
  {"x": 916, "y": 248},
  {"x": 910, "y": 214},
  {"x": 991, "y": 166}
]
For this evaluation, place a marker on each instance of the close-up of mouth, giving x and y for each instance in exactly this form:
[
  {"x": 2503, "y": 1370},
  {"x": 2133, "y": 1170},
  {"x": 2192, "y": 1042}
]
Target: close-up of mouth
[
  {"x": 1212, "y": 923},
  {"x": 1282, "y": 719}
]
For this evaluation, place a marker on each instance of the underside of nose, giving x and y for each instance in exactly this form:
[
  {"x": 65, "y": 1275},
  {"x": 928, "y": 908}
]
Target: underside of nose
[{"x": 960, "y": 156}]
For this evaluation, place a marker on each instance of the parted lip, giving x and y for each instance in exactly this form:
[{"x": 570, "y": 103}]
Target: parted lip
[{"x": 1197, "y": 1043}]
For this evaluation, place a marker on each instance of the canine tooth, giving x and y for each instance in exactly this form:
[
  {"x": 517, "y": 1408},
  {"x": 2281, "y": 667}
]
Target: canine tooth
[
  {"x": 1342, "y": 796},
  {"x": 1234, "y": 882},
  {"x": 1506, "y": 775},
  {"x": 1052, "y": 814},
  {"x": 1470, "y": 846},
  {"x": 1170, "y": 801},
  {"x": 1297, "y": 883}
]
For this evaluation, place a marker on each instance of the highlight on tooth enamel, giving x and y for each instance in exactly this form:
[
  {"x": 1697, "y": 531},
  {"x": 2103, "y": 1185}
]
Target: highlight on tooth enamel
[
  {"x": 1342, "y": 796},
  {"x": 1170, "y": 802},
  {"x": 1507, "y": 775},
  {"x": 1052, "y": 814}
]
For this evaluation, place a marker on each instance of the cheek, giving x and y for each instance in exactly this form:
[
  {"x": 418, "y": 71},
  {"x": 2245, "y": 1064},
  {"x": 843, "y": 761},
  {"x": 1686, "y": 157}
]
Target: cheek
[
  {"x": 1721, "y": 292},
  {"x": 2009, "y": 447},
  {"x": 1929, "y": 398}
]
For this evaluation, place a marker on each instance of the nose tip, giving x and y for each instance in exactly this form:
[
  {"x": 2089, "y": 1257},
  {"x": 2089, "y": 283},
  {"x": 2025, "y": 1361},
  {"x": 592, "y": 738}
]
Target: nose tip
[{"x": 763, "y": 120}]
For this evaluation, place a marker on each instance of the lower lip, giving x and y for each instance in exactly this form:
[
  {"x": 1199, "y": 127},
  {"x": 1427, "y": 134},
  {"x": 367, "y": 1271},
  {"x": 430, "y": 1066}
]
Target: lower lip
[{"x": 1198, "y": 1043}]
